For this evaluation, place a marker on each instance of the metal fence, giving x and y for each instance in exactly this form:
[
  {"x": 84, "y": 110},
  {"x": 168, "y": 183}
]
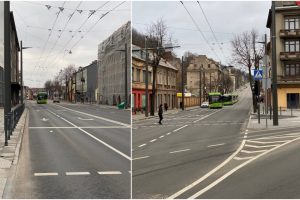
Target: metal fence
[{"x": 11, "y": 119}]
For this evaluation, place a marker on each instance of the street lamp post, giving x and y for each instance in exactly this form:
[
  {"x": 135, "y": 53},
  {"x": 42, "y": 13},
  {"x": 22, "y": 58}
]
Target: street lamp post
[
  {"x": 22, "y": 86},
  {"x": 146, "y": 81},
  {"x": 182, "y": 83}
]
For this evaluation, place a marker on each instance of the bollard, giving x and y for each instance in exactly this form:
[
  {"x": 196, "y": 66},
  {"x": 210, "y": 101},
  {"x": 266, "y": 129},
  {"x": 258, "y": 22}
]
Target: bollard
[
  {"x": 11, "y": 121},
  {"x": 6, "y": 130},
  {"x": 258, "y": 113},
  {"x": 280, "y": 111},
  {"x": 8, "y": 126}
]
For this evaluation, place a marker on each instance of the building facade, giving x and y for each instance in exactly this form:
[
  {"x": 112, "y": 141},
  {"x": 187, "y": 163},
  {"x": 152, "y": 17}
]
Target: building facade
[
  {"x": 165, "y": 82},
  {"x": 1, "y": 54},
  {"x": 111, "y": 67},
  {"x": 287, "y": 19}
]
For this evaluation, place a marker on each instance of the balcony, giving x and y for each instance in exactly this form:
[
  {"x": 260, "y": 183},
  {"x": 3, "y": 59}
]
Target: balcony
[
  {"x": 289, "y": 56},
  {"x": 286, "y": 33},
  {"x": 289, "y": 80}
]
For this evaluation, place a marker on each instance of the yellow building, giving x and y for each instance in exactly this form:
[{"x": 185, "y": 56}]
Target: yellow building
[{"x": 287, "y": 18}]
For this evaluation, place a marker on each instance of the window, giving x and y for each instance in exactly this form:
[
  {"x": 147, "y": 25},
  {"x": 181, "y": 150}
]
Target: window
[
  {"x": 291, "y": 23},
  {"x": 292, "y": 46},
  {"x": 292, "y": 69},
  {"x": 138, "y": 75}
]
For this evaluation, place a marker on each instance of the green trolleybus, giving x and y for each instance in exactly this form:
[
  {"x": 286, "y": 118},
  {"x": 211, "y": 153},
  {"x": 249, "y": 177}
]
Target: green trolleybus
[
  {"x": 41, "y": 98},
  {"x": 215, "y": 100},
  {"x": 229, "y": 99}
]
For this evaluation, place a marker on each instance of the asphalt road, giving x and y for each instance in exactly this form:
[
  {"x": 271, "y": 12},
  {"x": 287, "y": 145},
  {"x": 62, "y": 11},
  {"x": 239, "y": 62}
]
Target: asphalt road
[
  {"x": 169, "y": 157},
  {"x": 74, "y": 151}
]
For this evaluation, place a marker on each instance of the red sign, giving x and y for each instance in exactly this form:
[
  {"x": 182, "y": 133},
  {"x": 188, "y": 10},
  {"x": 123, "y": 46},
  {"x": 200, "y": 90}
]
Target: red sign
[{"x": 298, "y": 3}]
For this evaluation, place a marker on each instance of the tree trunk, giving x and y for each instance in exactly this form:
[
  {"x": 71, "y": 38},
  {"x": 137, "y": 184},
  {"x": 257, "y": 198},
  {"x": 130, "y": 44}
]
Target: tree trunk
[
  {"x": 152, "y": 109},
  {"x": 252, "y": 90}
]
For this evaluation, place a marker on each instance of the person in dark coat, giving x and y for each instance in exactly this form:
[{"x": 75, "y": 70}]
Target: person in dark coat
[{"x": 160, "y": 114}]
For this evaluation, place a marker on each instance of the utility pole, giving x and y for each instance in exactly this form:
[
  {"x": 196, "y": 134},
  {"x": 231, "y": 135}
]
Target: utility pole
[
  {"x": 200, "y": 85},
  {"x": 182, "y": 83},
  {"x": 209, "y": 81},
  {"x": 126, "y": 90},
  {"x": 66, "y": 95},
  {"x": 274, "y": 68},
  {"x": 7, "y": 69},
  {"x": 22, "y": 97},
  {"x": 75, "y": 92},
  {"x": 146, "y": 81}
]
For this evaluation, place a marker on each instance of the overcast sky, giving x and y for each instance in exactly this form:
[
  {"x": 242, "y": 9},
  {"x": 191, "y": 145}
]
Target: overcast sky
[
  {"x": 49, "y": 54},
  {"x": 226, "y": 19}
]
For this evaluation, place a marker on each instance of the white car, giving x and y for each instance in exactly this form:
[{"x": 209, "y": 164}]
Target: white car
[{"x": 205, "y": 104}]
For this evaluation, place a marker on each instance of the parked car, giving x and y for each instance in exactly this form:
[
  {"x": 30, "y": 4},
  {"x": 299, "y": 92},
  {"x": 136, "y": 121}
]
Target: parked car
[
  {"x": 56, "y": 100},
  {"x": 205, "y": 104}
]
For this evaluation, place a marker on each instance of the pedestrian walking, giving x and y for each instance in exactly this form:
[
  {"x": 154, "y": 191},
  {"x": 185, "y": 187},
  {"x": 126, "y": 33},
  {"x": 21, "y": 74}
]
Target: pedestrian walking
[{"x": 160, "y": 114}]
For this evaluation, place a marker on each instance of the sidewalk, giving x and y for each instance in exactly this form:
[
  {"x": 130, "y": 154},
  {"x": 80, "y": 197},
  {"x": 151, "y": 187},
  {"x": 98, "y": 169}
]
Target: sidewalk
[
  {"x": 141, "y": 116},
  {"x": 9, "y": 155},
  {"x": 284, "y": 121}
]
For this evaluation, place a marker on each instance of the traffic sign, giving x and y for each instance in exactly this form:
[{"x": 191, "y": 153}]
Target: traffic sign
[{"x": 258, "y": 74}]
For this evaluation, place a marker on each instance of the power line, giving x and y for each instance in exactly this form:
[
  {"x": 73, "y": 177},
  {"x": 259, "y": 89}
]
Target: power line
[
  {"x": 97, "y": 23},
  {"x": 210, "y": 28},
  {"x": 62, "y": 31},
  {"x": 57, "y": 15},
  {"x": 85, "y": 21},
  {"x": 200, "y": 30}
]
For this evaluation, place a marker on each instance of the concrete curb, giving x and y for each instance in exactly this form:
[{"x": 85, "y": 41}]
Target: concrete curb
[{"x": 19, "y": 144}]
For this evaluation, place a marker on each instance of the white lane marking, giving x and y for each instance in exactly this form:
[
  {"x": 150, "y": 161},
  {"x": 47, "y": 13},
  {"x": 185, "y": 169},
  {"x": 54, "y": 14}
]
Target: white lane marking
[
  {"x": 46, "y": 174},
  {"x": 169, "y": 133},
  {"x": 275, "y": 137},
  {"x": 236, "y": 169},
  {"x": 161, "y": 136},
  {"x": 257, "y": 147},
  {"x": 271, "y": 142},
  {"x": 249, "y": 152},
  {"x": 180, "y": 128},
  {"x": 243, "y": 158},
  {"x": 44, "y": 119},
  {"x": 179, "y": 151},
  {"x": 142, "y": 145},
  {"x": 77, "y": 173},
  {"x": 208, "y": 174},
  {"x": 215, "y": 145},
  {"x": 97, "y": 139},
  {"x": 51, "y": 131},
  {"x": 245, "y": 136},
  {"x": 153, "y": 140},
  {"x": 109, "y": 172},
  {"x": 72, "y": 127},
  {"x": 206, "y": 116},
  {"x": 87, "y": 119},
  {"x": 138, "y": 158},
  {"x": 102, "y": 118}
]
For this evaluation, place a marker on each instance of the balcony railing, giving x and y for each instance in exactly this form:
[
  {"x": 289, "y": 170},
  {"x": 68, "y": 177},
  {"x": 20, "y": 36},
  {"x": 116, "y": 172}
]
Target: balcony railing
[
  {"x": 290, "y": 33},
  {"x": 285, "y": 78},
  {"x": 289, "y": 55}
]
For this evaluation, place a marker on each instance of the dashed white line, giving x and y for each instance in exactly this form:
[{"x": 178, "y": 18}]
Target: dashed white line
[
  {"x": 109, "y": 172},
  {"x": 180, "y": 128},
  {"x": 77, "y": 173},
  {"x": 153, "y": 140},
  {"x": 179, "y": 151},
  {"x": 169, "y": 133},
  {"x": 142, "y": 145},
  {"x": 161, "y": 136},
  {"x": 138, "y": 158},
  {"x": 46, "y": 174},
  {"x": 215, "y": 145}
]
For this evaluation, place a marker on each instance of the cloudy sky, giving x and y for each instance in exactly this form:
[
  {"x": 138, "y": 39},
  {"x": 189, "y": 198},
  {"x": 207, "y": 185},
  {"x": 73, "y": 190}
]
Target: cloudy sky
[
  {"x": 48, "y": 28},
  {"x": 226, "y": 19}
]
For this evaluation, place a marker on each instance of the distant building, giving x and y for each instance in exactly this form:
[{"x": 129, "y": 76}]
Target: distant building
[
  {"x": 287, "y": 18},
  {"x": 111, "y": 67}
]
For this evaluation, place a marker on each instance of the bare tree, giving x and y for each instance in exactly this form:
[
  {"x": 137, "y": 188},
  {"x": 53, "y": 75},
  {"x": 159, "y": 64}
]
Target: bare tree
[
  {"x": 248, "y": 52},
  {"x": 157, "y": 36}
]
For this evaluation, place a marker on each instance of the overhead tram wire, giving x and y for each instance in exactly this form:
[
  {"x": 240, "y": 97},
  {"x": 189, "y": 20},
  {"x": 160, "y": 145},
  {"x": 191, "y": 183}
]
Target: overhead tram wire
[
  {"x": 62, "y": 31},
  {"x": 206, "y": 19},
  {"x": 97, "y": 23},
  {"x": 50, "y": 34},
  {"x": 200, "y": 31},
  {"x": 67, "y": 43}
]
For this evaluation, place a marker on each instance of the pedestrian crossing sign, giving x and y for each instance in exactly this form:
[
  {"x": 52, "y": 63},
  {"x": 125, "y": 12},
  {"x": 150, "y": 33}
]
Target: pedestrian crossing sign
[{"x": 258, "y": 74}]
